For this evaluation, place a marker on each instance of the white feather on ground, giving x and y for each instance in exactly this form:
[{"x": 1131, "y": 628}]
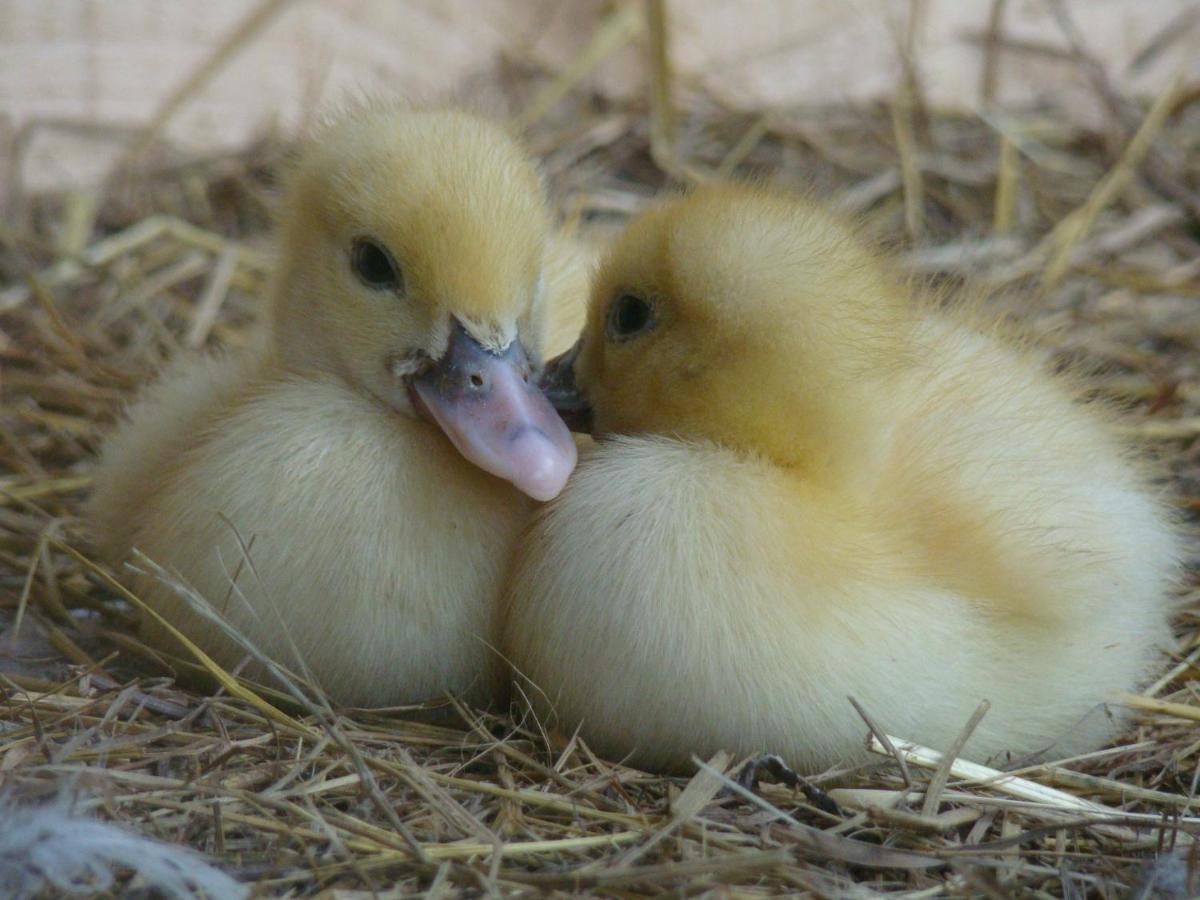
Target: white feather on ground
[{"x": 48, "y": 846}]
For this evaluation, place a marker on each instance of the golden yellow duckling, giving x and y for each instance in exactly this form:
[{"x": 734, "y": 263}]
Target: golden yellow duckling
[
  {"x": 810, "y": 486},
  {"x": 418, "y": 282}
]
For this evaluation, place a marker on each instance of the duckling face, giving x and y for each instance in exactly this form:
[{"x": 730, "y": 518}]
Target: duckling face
[
  {"x": 411, "y": 261},
  {"x": 741, "y": 317}
]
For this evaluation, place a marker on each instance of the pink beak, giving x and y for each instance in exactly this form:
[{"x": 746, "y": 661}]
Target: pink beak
[{"x": 489, "y": 407}]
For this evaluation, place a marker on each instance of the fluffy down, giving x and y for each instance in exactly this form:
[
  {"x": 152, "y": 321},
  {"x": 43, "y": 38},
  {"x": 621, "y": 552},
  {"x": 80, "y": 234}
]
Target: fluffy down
[
  {"x": 299, "y": 486},
  {"x": 808, "y": 486}
]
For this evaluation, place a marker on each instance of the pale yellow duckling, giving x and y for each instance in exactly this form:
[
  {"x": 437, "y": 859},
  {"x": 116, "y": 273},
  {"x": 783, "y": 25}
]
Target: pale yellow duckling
[
  {"x": 808, "y": 486},
  {"x": 418, "y": 282}
]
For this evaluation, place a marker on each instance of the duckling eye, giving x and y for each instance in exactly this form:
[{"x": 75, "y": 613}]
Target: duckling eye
[
  {"x": 374, "y": 266},
  {"x": 628, "y": 315}
]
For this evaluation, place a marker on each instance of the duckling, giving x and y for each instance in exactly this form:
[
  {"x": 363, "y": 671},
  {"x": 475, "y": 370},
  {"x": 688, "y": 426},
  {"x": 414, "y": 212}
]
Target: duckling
[
  {"x": 350, "y": 490},
  {"x": 810, "y": 484}
]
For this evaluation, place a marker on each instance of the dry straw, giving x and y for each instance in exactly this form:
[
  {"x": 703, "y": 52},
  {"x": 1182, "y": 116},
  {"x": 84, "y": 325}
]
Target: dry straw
[{"x": 1090, "y": 236}]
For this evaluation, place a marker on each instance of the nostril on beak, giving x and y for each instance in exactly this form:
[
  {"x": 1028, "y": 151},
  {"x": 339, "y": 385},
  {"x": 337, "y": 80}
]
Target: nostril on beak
[{"x": 476, "y": 380}]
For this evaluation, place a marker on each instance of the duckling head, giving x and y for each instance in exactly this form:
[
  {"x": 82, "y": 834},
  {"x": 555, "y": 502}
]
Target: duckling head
[
  {"x": 411, "y": 254},
  {"x": 747, "y": 318}
]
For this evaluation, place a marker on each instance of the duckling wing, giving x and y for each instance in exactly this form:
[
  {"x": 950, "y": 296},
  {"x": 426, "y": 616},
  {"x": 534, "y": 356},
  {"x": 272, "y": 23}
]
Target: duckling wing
[
  {"x": 1020, "y": 494},
  {"x": 157, "y": 428}
]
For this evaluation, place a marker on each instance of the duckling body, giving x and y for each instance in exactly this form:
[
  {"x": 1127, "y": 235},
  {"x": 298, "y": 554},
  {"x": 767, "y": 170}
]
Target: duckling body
[
  {"x": 319, "y": 509},
  {"x": 929, "y": 521},
  {"x": 325, "y": 489}
]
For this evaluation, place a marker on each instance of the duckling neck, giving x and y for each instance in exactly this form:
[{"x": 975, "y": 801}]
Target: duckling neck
[
  {"x": 842, "y": 448},
  {"x": 296, "y": 346}
]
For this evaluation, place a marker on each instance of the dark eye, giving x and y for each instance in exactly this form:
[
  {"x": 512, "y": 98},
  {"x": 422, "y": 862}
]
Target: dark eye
[
  {"x": 374, "y": 266},
  {"x": 628, "y": 315}
]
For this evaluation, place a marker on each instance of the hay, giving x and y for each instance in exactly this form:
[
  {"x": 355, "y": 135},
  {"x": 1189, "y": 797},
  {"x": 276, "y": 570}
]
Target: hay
[{"x": 1092, "y": 237}]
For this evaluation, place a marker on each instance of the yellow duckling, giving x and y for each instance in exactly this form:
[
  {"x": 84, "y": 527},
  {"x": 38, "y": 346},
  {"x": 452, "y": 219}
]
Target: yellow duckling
[
  {"x": 417, "y": 285},
  {"x": 809, "y": 487}
]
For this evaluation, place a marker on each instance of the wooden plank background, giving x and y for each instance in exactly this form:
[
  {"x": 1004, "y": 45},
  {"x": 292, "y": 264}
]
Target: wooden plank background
[{"x": 78, "y": 78}]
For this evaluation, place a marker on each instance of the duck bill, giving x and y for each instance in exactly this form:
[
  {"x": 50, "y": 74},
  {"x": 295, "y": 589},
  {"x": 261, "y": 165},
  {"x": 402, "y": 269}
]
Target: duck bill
[
  {"x": 488, "y": 406},
  {"x": 562, "y": 390}
]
